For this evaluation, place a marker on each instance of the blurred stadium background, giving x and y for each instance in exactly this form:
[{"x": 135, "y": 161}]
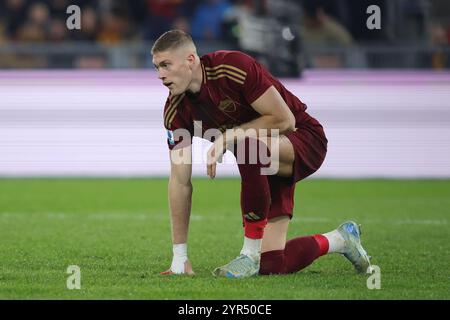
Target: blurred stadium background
[{"x": 88, "y": 103}]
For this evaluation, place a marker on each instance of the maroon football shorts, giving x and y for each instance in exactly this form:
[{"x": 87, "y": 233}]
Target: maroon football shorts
[{"x": 310, "y": 147}]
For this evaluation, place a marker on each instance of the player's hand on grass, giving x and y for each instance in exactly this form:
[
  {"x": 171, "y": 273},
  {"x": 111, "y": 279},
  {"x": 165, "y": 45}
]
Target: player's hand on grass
[{"x": 187, "y": 270}]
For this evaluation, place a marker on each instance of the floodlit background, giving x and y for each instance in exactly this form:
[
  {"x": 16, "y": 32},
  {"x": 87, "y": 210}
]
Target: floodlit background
[
  {"x": 88, "y": 103},
  {"x": 84, "y": 160}
]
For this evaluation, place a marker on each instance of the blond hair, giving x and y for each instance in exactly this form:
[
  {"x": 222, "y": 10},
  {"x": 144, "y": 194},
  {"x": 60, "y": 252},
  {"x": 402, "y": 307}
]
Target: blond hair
[{"x": 172, "y": 39}]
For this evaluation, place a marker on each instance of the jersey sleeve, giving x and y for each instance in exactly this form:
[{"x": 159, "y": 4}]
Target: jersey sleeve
[
  {"x": 178, "y": 128},
  {"x": 254, "y": 77}
]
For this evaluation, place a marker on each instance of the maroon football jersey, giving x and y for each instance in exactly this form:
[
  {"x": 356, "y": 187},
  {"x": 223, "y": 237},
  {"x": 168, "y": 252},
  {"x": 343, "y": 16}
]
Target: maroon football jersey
[{"x": 232, "y": 81}]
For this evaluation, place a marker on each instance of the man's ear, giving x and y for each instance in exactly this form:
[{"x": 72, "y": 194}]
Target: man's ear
[{"x": 191, "y": 60}]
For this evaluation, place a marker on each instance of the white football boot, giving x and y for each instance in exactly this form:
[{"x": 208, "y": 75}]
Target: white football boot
[
  {"x": 354, "y": 251},
  {"x": 241, "y": 267}
]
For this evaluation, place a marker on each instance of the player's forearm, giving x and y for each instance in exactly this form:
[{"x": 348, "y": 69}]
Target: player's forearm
[
  {"x": 284, "y": 125},
  {"x": 267, "y": 122},
  {"x": 180, "y": 198}
]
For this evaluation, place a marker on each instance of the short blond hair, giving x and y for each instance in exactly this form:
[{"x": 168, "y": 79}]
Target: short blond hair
[{"x": 172, "y": 39}]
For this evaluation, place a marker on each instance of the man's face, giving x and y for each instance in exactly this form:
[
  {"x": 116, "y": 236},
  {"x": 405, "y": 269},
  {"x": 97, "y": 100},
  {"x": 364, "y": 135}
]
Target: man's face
[{"x": 174, "y": 69}]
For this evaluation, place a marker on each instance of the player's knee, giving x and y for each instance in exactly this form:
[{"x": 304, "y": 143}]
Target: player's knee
[
  {"x": 285, "y": 169},
  {"x": 286, "y": 151}
]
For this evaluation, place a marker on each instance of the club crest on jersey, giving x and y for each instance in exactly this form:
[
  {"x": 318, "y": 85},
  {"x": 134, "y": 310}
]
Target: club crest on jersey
[
  {"x": 170, "y": 137},
  {"x": 227, "y": 105}
]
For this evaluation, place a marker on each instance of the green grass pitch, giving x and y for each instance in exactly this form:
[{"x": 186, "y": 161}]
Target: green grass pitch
[{"x": 117, "y": 231}]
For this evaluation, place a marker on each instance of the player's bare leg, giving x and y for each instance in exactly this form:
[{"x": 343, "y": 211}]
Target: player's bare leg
[{"x": 275, "y": 234}]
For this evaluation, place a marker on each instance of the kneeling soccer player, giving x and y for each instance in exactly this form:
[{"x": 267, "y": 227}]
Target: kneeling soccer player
[{"x": 230, "y": 91}]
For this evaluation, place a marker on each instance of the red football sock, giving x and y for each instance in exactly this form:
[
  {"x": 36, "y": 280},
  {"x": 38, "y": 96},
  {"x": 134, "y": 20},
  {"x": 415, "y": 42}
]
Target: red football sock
[
  {"x": 272, "y": 262},
  {"x": 298, "y": 254},
  {"x": 254, "y": 229},
  {"x": 282, "y": 194},
  {"x": 323, "y": 244},
  {"x": 255, "y": 193}
]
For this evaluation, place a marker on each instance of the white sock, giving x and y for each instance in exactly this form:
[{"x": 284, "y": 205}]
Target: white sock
[
  {"x": 179, "y": 258},
  {"x": 336, "y": 242},
  {"x": 252, "y": 248}
]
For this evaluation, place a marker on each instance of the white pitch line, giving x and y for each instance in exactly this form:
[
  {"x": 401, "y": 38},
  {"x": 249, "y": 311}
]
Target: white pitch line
[{"x": 198, "y": 217}]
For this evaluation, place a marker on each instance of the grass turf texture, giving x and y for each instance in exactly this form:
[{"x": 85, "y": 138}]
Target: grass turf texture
[{"x": 117, "y": 231}]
